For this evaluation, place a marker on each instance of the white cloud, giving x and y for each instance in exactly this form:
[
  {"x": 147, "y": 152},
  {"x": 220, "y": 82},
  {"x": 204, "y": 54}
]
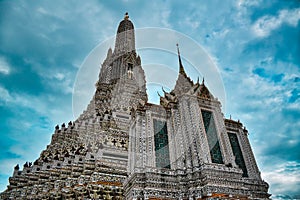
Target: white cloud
[
  {"x": 4, "y": 66},
  {"x": 62, "y": 82},
  {"x": 59, "y": 76},
  {"x": 286, "y": 175},
  {"x": 6, "y": 165},
  {"x": 193, "y": 23},
  {"x": 36, "y": 103},
  {"x": 248, "y": 2},
  {"x": 159, "y": 15},
  {"x": 55, "y": 77},
  {"x": 5, "y": 96},
  {"x": 266, "y": 24},
  {"x": 162, "y": 13},
  {"x": 165, "y": 17},
  {"x": 27, "y": 101}
]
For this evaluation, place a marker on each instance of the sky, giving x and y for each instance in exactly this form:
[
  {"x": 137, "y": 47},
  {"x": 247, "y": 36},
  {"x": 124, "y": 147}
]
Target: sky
[{"x": 255, "y": 45}]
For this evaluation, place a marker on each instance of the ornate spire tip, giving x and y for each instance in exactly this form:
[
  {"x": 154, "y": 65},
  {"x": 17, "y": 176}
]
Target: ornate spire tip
[
  {"x": 178, "y": 49},
  {"x": 126, "y": 15}
]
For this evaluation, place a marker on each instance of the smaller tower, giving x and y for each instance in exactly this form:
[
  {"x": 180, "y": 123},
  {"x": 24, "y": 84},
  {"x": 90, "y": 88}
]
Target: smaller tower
[
  {"x": 183, "y": 83},
  {"x": 184, "y": 149}
]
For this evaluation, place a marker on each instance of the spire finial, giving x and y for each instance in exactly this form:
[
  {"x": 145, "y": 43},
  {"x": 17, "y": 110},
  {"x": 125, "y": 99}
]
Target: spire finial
[
  {"x": 181, "y": 69},
  {"x": 126, "y": 15},
  {"x": 178, "y": 49},
  {"x": 198, "y": 80},
  {"x": 203, "y": 81}
]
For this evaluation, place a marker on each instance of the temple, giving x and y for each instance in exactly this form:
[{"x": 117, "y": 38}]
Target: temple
[{"x": 123, "y": 147}]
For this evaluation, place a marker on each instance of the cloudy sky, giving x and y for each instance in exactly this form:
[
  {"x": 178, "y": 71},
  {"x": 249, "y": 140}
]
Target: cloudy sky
[{"x": 255, "y": 45}]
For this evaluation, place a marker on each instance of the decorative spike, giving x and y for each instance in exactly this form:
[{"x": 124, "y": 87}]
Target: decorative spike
[
  {"x": 163, "y": 90},
  {"x": 181, "y": 69},
  {"x": 36, "y": 162},
  {"x": 158, "y": 94},
  {"x": 203, "y": 81},
  {"x": 25, "y": 165},
  {"x": 198, "y": 80},
  {"x": 178, "y": 49},
  {"x": 17, "y": 167}
]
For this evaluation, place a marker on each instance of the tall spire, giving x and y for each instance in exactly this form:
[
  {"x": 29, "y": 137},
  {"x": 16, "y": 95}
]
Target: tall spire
[
  {"x": 181, "y": 69},
  {"x": 183, "y": 83}
]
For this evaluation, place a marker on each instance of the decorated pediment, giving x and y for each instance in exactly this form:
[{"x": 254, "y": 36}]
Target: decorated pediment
[
  {"x": 200, "y": 90},
  {"x": 168, "y": 99}
]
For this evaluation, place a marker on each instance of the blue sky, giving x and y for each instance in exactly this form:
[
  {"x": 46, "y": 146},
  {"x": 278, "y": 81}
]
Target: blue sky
[{"x": 255, "y": 45}]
